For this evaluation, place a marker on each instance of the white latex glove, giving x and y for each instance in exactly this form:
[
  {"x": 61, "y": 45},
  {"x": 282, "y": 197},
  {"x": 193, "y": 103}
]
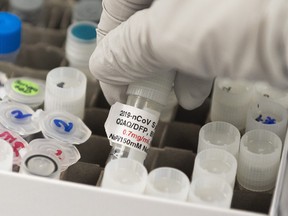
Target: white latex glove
[
  {"x": 200, "y": 39},
  {"x": 115, "y": 12}
]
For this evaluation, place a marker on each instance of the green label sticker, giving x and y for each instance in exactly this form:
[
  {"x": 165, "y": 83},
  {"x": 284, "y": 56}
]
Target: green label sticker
[{"x": 25, "y": 87}]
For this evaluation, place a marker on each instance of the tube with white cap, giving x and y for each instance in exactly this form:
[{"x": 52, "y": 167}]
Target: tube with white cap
[
  {"x": 10, "y": 36},
  {"x": 66, "y": 91},
  {"x": 130, "y": 127}
]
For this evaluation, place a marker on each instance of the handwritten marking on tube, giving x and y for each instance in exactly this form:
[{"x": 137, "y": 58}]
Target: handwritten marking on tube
[
  {"x": 60, "y": 123},
  {"x": 18, "y": 114}
]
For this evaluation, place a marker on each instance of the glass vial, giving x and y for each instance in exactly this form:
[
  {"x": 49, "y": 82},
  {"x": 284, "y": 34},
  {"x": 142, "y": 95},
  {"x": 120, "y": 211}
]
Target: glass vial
[{"x": 145, "y": 98}]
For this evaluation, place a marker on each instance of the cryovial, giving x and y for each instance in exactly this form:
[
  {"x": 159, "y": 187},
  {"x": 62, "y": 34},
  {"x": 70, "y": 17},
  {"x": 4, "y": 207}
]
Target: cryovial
[
  {"x": 125, "y": 175},
  {"x": 130, "y": 127},
  {"x": 218, "y": 134},
  {"x": 213, "y": 191},
  {"x": 215, "y": 162},
  {"x": 40, "y": 164},
  {"x": 66, "y": 91},
  {"x": 259, "y": 159},
  {"x": 87, "y": 11},
  {"x": 264, "y": 91},
  {"x": 25, "y": 90},
  {"x": 80, "y": 44},
  {"x": 269, "y": 115}
]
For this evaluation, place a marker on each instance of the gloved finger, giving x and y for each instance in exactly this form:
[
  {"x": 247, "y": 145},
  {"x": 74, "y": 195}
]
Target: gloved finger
[
  {"x": 125, "y": 54},
  {"x": 114, "y": 93},
  {"x": 191, "y": 91},
  {"x": 115, "y": 12}
]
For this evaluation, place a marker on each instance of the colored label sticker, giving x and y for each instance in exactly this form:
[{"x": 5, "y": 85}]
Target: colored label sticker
[
  {"x": 25, "y": 87},
  {"x": 130, "y": 126}
]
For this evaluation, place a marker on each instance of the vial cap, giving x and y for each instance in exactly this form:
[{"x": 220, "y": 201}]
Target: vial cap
[
  {"x": 10, "y": 32},
  {"x": 269, "y": 115},
  {"x": 82, "y": 32},
  {"x": 6, "y": 153},
  {"x": 63, "y": 126},
  {"x": 230, "y": 101},
  {"x": 25, "y": 90},
  {"x": 156, "y": 88},
  {"x": 263, "y": 90},
  {"x": 18, "y": 118},
  {"x": 213, "y": 191},
  {"x": 215, "y": 162},
  {"x": 26, "y": 5},
  {"x": 87, "y": 11},
  {"x": 66, "y": 90},
  {"x": 67, "y": 154},
  {"x": 19, "y": 145}
]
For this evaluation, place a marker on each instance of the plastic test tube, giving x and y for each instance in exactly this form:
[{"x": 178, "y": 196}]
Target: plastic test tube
[
  {"x": 269, "y": 115},
  {"x": 212, "y": 191},
  {"x": 26, "y": 90},
  {"x": 126, "y": 175},
  {"x": 66, "y": 91},
  {"x": 168, "y": 183},
  {"x": 6, "y": 156},
  {"x": 259, "y": 159},
  {"x": 214, "y": 162},
  {"x": 40, "y": 164},
  {"x": 80, "y": 44},
  {"x": 222, "y": 135},
  {"x": 10, "y": 36},
  {"x": 230, "y": 101}
]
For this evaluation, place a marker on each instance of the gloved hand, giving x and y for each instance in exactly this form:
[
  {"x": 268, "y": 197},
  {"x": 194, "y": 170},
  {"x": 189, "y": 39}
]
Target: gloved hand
[{"x": 200, "y": 39}]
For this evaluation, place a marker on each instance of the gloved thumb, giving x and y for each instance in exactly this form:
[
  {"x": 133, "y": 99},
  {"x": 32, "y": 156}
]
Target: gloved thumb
[{"x": 191, "y": 91}]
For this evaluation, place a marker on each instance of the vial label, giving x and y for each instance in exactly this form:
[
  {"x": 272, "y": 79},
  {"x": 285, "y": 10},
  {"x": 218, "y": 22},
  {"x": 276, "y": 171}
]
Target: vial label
[
  {"x": 130, "y": 126},
  {"x": 25, "y": 87}
]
